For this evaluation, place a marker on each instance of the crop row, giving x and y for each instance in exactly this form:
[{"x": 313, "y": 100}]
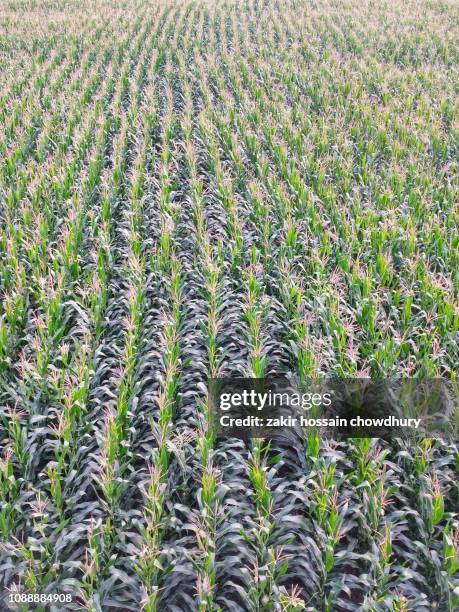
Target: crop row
[{"x": 204, "y": 189}]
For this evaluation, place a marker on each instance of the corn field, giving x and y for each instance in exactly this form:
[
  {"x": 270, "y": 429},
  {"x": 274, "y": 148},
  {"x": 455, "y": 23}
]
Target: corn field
[{"x": 201, "y": 189}]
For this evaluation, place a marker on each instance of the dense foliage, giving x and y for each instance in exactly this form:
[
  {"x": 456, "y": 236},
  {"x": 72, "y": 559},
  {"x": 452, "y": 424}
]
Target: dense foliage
[{"x": 221, "y": 187}]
